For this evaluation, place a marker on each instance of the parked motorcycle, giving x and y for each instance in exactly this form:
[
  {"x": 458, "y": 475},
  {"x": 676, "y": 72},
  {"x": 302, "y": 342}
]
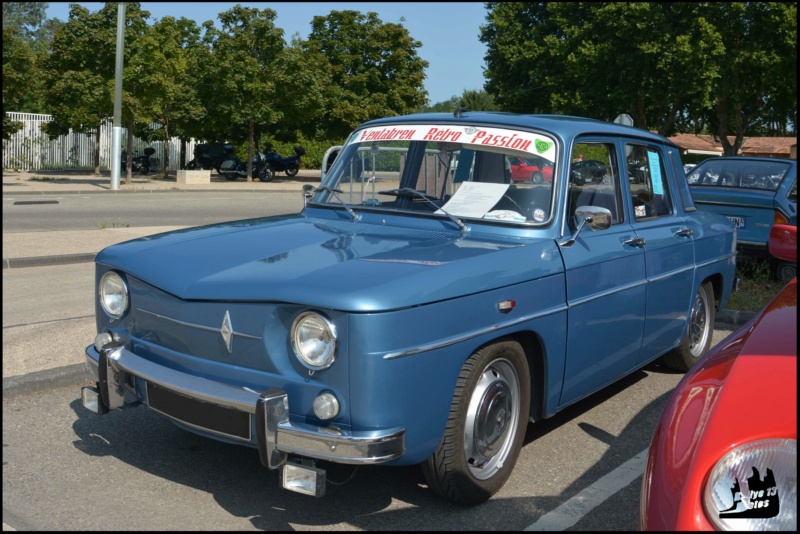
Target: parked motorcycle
[
  {"x": 203, "y": 159},
  {"x": 141, "y": 163},
  {"x": 232, "y": 167},
  {"x": 290, "y": 165}
]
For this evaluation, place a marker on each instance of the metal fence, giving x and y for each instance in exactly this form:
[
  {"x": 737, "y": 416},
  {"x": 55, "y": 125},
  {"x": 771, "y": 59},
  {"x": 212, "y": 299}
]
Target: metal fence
[{"x": 30, "y": 149}]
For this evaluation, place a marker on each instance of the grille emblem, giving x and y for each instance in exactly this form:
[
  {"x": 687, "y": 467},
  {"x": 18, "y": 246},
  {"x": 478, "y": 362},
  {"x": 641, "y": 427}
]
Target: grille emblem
[{"x": 227, "y": 331}]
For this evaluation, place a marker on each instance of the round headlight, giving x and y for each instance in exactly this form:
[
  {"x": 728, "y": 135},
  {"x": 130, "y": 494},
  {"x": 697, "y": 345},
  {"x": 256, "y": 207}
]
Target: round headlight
[
  {"x": 754, "y": 487},
  {"x": 113, "y": 294},
  {"x": 314, "y": 341}
]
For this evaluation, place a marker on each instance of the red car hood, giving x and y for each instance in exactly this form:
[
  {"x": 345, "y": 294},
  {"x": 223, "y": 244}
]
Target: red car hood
[{"x": 744, "y": 390}]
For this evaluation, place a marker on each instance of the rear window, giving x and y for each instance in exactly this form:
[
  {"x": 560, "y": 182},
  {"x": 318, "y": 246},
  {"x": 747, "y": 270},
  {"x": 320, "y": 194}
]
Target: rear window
[{"x": 763, "y": 175}]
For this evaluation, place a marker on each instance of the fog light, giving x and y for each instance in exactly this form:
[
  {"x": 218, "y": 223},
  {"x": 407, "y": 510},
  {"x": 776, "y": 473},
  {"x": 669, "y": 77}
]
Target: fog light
[
  {"x": 303, "y": 479},
  {"x": 90, "y": 398},
  {"x": 102, "y": 339},
  {"x": 326, "y": 406}
]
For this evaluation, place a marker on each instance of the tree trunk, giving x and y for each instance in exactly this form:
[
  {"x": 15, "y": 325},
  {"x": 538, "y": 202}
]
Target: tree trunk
[{"x": 250, "y": 134}]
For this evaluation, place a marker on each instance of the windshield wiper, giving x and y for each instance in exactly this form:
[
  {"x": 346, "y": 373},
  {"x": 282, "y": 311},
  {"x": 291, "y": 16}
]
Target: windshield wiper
[
  {"x": 334, "y": 192},
  {"x": 411, "y": 192}
]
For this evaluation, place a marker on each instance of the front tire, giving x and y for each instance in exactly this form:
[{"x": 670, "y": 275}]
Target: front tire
[
  {"x": 485, "y": 428},
  {"x": 697, "y": 339},
  {"x": 266, "y": 175}
]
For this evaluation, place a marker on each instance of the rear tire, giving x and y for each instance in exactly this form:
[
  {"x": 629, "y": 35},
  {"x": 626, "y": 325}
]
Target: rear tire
[
  {"x": 231, "y": 176},
  {"x": 485, "y": 428},
  {"x": 537, "y": 177},
  {"x": 292, "y": 171},
  {"x": 697, "y": 339}
]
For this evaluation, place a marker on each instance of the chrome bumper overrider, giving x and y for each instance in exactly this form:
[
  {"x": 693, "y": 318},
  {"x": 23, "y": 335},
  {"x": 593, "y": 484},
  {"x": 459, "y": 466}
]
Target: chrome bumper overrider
[{"x": 276, "y": 436}]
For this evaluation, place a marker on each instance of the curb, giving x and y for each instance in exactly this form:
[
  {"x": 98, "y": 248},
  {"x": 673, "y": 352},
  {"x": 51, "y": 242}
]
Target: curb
[
  {"x": 734, "y": 318},
  {"x": 41, "y": 261},
  {"x": 69, "y": 375}
]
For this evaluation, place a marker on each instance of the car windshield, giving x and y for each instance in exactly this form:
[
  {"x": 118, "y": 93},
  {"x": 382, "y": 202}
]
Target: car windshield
[
  {"x": 442, "y": 171},
  {"x": 744, "y": 174}
]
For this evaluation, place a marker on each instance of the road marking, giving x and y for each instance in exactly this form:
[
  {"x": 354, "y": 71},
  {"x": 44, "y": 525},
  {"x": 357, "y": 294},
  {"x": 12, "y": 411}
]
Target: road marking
[{"x": 575, "y": 509}]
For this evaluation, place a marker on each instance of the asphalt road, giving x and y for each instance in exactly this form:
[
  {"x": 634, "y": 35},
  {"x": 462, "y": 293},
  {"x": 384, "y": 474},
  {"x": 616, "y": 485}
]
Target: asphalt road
[{"x": 170, "y": 208}]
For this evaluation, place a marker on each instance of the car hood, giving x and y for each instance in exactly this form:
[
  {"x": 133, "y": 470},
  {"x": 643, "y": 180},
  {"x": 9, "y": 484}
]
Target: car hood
[{"x": 334, "y": 264}]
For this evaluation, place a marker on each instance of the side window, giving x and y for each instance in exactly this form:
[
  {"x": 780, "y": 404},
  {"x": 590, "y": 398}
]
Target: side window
[
  {"x": 594, "y": 181},
  {"x": 648, "y": 179}
]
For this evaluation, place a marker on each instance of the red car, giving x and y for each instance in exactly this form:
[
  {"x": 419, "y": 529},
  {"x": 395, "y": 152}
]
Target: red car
[
  {"x": 533, "y": 169},
  {"x": 724, "y": 452}
]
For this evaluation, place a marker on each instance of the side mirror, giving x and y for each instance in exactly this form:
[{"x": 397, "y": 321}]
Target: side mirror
[
  {"x": 597, "y": 218},
  {"x": 308, "y": 192}
]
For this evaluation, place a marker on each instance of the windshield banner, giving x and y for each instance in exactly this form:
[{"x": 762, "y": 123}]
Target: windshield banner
[{"x": 468, "y": 135}]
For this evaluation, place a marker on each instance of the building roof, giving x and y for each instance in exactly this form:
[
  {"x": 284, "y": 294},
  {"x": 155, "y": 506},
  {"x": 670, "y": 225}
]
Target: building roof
[{"x": 776, "y": 147}]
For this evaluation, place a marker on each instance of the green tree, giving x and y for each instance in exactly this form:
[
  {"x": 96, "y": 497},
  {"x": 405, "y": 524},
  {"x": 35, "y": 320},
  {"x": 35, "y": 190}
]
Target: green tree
[
  {"x": 33, "y": 32},
  {"x": 374, "y": 68},
  {"x": 601, "y": 59},
  {"x": 758, "y": 69},
  {"x": 79, "y": 72},
  {"x": 169, "y": 96},
  {"x": 477, "y": 100},
  {"x": 18, "y": 72},
  {"x": 244, "y": 53},
  {"x": 303, "y": 92}
]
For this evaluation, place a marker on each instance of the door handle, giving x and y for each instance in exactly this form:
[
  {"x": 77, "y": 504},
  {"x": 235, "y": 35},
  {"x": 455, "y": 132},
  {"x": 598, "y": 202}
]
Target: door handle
[
  {"x": 686, "y": 232},
  {"x": 637, "y": 242}
]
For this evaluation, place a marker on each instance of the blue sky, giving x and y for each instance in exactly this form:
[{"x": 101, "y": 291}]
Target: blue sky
[{"x": 448, "y": 31}]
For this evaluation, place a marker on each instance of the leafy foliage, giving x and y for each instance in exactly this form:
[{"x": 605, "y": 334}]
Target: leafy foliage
[{"x": 669, "y": 65}]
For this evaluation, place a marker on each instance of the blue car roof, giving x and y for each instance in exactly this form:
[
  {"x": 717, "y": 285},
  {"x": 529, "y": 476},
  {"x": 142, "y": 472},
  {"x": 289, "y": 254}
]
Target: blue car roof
[{"x": 561, "y": 125}]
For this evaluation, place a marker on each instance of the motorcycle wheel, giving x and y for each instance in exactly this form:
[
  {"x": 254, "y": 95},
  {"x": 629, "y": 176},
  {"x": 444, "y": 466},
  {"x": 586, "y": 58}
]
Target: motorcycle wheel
[
  {"x": 231, "y": 176},
  {"x": 292, "y": 171},
  {"x": 144, "y": 169},
  {"x": 266, "y": 175},
  {"x": 190, "y": 166}
]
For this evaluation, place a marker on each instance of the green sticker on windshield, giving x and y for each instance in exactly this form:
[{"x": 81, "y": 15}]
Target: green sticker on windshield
[{"x": 542, "y": 146}]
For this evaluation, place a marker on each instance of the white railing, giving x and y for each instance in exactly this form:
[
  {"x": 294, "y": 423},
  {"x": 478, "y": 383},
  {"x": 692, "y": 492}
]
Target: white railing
[{"x": 30, "y": 149}]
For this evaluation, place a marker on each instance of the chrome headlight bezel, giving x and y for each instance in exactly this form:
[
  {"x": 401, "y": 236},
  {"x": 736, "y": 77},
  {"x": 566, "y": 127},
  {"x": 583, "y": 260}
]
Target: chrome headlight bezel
[
  {"x": 776, "y": 455},
  {"x": 112, "y": 284},
  {"x": 305, "y": 322}
]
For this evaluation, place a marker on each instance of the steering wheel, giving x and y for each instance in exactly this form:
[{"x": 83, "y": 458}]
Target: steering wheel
[{"x": 519, "y": 208}]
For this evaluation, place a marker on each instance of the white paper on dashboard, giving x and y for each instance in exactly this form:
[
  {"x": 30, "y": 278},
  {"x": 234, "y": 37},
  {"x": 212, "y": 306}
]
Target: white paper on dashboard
[{"x": 474, "y": 199}]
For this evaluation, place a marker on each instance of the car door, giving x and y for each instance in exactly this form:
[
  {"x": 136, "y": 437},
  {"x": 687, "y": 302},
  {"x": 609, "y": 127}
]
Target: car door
[
  {"x": 668, "y": 249},
  {"x": 606, "y": 285}
]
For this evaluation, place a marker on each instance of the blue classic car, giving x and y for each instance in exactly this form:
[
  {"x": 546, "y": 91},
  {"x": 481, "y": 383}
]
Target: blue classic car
[
  {"x": 422, "y": 309},
  {"x": 754, "y": 193}
]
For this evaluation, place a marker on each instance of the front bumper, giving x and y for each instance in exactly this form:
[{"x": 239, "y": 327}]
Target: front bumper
[{"x": 213, "y": 407}]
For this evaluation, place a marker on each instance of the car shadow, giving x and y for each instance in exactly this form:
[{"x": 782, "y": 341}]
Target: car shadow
[{"x": 360, "y": 497}]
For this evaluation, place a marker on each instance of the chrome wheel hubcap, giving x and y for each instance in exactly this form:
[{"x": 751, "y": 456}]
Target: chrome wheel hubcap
[
  {"x": 491, "y": 419},
  {"x": 699, "y": 324}
]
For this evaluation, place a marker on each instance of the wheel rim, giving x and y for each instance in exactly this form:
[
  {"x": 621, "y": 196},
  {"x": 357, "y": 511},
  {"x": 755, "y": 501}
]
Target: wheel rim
[
  {"x": 492, "y": 419},
  {"x": 700, "y": 322},
  {"x": 537, "y": 178}
]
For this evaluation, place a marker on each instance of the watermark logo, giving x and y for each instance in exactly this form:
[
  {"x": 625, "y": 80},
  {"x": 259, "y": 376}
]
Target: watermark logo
[{"x": 761, "y": 502}]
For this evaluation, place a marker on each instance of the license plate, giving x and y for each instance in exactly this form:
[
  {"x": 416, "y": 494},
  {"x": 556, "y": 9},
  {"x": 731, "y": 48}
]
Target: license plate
[
  {"x": 738, "y": 222},
  {"x": 197, "y": 413}
]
